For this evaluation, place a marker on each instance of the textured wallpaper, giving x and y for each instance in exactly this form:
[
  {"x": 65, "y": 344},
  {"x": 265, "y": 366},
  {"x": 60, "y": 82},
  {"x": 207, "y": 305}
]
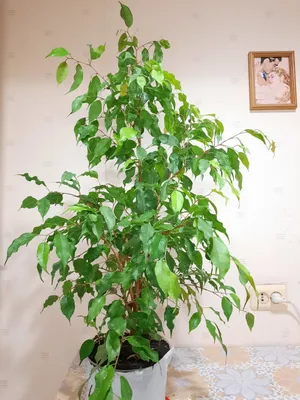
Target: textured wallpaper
[{"x": 210, "y": 42}]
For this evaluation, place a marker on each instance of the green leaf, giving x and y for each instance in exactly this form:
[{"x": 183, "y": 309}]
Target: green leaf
[
  {"x": 118, "y": 325},
  {"x": 58, "y": 52},
  {"x": 95, "y": 307},
  {"x": 177, "y": 201},
  {"x": 67, "y": 287},
  {"x": 211, "y": 329},
  {"x": 169, "y": 316},
  {"x": 96, "y": 52},
  {"x": 95, "y": 110},
  {"x": 62, "y": 72},
  {"x": 77, "y": 103},
  {"x": 78, "y": 78},
  {"x": 141, "y": 81},
  {"x": 127, "y": 133},
  {"x": 244, "y": 159},
  {"x": 108, "y": 216},
  {"x": 97, "y": 147},
  {"x": 194, "y": 321},
  {"x": 126, "y": 15},
  {"x": 91, "y": 174},
  {"x": 113, "y": 345},
  {"x": 43, "y": 206},
  {"x": 236, "y": 300},
  {"x": 145, "y": 55},
  {"x": 29, "y": 202},
  {"x": 158, "y": 76},
  {"x": 43, "y": 251},
  {"x": 122, "y": 43},
  {"x": 227, "y": 307},
  {"x": 54, "y": 197},
  {"x": 103, "y": 379},
  {"x": 220, "y": 257},
  {"x": 63, "y": 248},
  {"x": 35, "y": 179},
  {"x": 165, "y": 43},
  {"x": 158, "y": 246},
  {"x": 101, "y": 355},
  {"x": 250, "y": 320},
  {"x": 50, "y": 301},
  {"x": 257, "y": 134},
  {"x": 67, "y": 306},
  {"x": 86, "y": 349},
  {"x": 22, "y": 240},
  {"x": 141, "y": 153},
  {"x": 206, "y": 228},
  {"x": 126, "y": 391},
  {"x": 167, "y": 280},
  {"x": 157, "y": 54}
]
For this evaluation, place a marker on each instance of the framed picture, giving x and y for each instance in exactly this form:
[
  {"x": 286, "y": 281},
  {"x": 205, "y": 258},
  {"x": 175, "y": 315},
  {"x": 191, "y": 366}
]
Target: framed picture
[{"x": 272, "y": 80}]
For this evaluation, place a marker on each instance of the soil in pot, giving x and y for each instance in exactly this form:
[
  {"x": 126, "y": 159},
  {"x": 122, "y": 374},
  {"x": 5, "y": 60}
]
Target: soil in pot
[{"x": 128, "y": 360}]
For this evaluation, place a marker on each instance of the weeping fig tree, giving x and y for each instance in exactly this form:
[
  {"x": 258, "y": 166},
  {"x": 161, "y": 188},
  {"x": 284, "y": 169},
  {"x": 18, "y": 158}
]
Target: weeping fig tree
[{"x": 151, "y": 239}]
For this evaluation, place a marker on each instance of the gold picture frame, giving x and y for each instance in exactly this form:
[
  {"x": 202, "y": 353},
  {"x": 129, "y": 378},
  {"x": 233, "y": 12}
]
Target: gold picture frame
[{"x": 272, "y": 80}]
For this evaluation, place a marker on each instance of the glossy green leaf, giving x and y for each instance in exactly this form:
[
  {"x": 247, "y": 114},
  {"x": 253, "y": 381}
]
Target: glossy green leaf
[
  {"x": 103, "y": 380},
  {"x": 122, "y": 43},
  {"x": 113, "y": 345},
  {"x": 63, "y": 247},
  {"x": 97, "y": 147},
  {"x": 244, "y": 159},
  {"x": 29, "y": 202},
  {"x": 78, "y": 78},
  {"x": 177, "y": 201},
  {"x": 158, "y": 246},
  {"x": 165, "y": 43},
  {"x": 43, "y": 251},
  {"x": 158, "y": 76},
  {"x": 95, "y": 307},
  {"x": 95, "y": 110},
  {"x": 58, "y": 52},
  {"x": 86, "y": 349},
  {"x": 194, "y": 321},
  {"x": 77, "y": 103},
  {"x": 227, "y": 307},
  {"x": 257, "y": 134},
  {"x": 250, "y": 320},
  {"x": 43, "y": 206},
  {"x": 22, "y": 240},
  {"x": 62, "y": 72},
  {"x": 108, "y": 216},
  {"x": 91, "y": 174},
  {"x": 167, "y": 280},
  {"x": 118, "y": 325},
  {"x": 67, "y": 287},
  {"x": 169, "y": 316},
  {"x": 67, "y": 306},
  {"x": 126, "y": 391},
  {"x": 35, "y": 179},
  {"x": 54, "y": 197},
  {"x": 141, "y": 81},
  {"x": 126, "y": 15},
  {"x": 219, "y": 256}
]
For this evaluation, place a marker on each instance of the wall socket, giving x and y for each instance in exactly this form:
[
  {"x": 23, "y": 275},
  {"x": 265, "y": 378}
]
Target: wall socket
[{"x": 263, "y": 301}]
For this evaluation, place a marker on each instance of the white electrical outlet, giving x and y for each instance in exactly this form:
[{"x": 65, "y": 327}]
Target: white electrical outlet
[{"x": 263, "y": 301}]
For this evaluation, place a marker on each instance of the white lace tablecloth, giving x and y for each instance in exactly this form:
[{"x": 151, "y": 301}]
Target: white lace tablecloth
[{"x": 249, "y": 373}]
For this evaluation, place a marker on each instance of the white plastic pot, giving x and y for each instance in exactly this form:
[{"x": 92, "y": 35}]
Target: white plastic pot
[{"x": 147, "y": 384}]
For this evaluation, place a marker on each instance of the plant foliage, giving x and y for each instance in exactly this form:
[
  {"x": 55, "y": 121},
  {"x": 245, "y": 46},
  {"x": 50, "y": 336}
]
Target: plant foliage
[{"x": 152, "y": 239}]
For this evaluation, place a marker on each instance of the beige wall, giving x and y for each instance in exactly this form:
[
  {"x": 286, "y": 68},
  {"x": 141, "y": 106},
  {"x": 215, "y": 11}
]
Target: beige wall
[{"x": 210, "y": 40}]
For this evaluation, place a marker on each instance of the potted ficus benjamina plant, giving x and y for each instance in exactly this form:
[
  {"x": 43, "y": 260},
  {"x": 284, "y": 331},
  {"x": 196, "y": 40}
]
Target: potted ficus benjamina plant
[{"x": 151, "y": 240}]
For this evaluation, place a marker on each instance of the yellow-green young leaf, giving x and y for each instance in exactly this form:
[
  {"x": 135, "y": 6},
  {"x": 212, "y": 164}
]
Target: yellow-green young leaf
[
  {"x": 219, "y": 256},
  {"x": 108, "y": 216},
  {"x": 96, "y": 52},
  {"x": 67, "y": 306},
  {"x": 58, "y": 52},
  {"x": 126, "y": 15},
  {"x": 43, "y": 251},
  {"x": 77, "y": 103},
  {"x": 194, "y": 321},
  {"x": 63, "y": 248},
  {"x": 141, "y": 81},
  {"x": 29, "y": 202},
  {"x": 86, "y": 349},
  {"x": 95, "y": 110},
  {"x": 244, "y": 159},
  {"x": 250, "y": 320},
  {"x": 126, "y": 391},
  {"x": 127, "y": 133},
  {"x": 177, "y": 201},
  {"x": 165, "y": 43},
  {"x": 227, "y": 307},
  {"x": 78, "y": 78},
  {"x": 158, "y": 76},
  {"x": 95, "y": 307},
  {"x": 62, "y": 72},
  {"x": 167, "y": 280}
]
